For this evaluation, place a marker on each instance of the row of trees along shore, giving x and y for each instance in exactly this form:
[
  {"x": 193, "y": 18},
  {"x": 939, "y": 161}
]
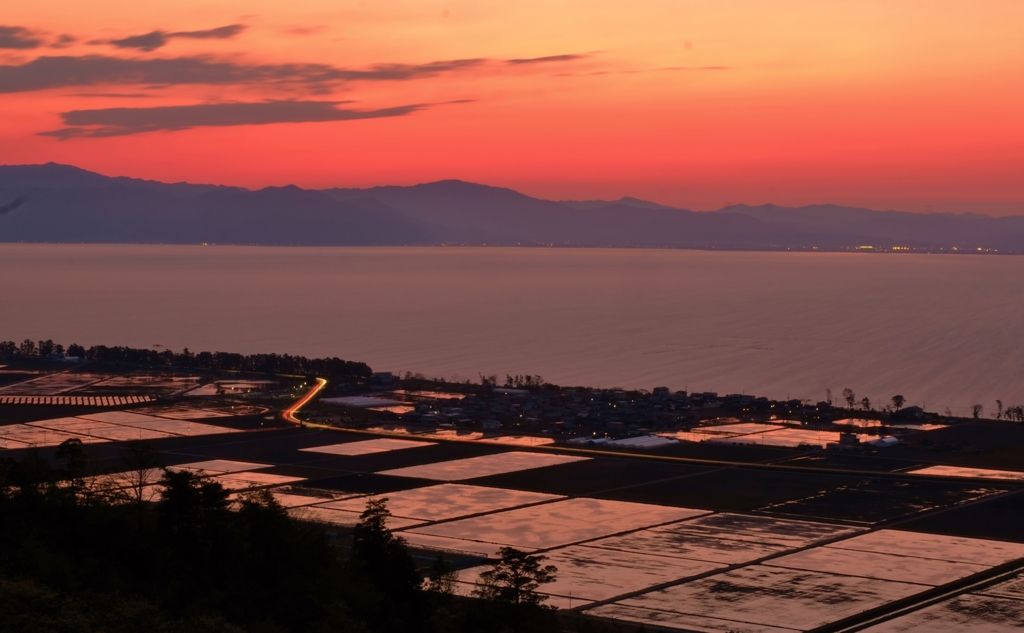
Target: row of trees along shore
[
  {"x": 1010, "y": 413},
  {"x": 338, "y": 368},
  {"x": 262, "y": 363},
  {"x": 83, "y": 553}
]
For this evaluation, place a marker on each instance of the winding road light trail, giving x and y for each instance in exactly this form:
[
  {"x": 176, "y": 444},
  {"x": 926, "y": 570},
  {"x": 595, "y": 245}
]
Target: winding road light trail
[{"x": 289, "y": 413}]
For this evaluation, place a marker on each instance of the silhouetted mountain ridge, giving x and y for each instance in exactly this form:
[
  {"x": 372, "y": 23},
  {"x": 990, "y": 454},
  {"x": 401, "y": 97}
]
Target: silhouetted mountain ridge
[{"x": 62, "y": 203}]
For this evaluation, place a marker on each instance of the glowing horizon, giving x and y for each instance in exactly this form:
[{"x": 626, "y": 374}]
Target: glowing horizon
[{"x": 692, "y": 104}]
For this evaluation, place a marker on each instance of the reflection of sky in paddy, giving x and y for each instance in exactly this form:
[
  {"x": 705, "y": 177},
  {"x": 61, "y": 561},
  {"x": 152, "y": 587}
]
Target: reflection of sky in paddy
[
  {"x": 458, "y": 434},
  {"x": 775, "y": 597},
  {"x": 188, "y": 414},
  {"x": 684, "y": 544},
  {"x": 320, "y": 514},
  {"x": 590, "y": 573},
  {"x": 1013, "y": 588},
  {"x": 686, "y": 436},
  {"x": 453, "y": 434},
  {"x": 23, "y": 434},
  {"x": 448, "y": 501},
  {"x": 95, "y": 430},
  {"x": 559, "y": 523},
  {"x": 175, "y": 427},
  {"x": 689, "y": 622},
  {"x": 559, "y": 602},
  {"x": 398, "y": 409},
  {"x": 724, "y": 538},
  {"x": 785, "y": 437},
  {"x": 977, "y": 473},
  {"x": 792, "y": 532},
  {"x": 72, "y": 425},
  {"x": 366, "y": 447},
  {"x": 519, "y": 440},
  {"x": 951, "y": 548},
  {"x": 291, "y": 500},
  {"x": 483, "y": 466},
  {"x": 245, "y": 480},
  {"x": 52, "y": 384},
  {"x": 875, "y": 565},
  {"x": 995, "y": 609},
  {"x": 220, "y": 466},
  {"x": 122, "y": 417},
  {"x": 970, "y": 612},
  {"x": 860, "y": 423},
  {"x": 454, "y": 545},
  {"x": 863, "y": 423},
  {"x": 744, "y": 428},
  {"x": 448, "y": 395},
  {"x": 759, "y": 434},
  {"x": 124, "y": 433}
]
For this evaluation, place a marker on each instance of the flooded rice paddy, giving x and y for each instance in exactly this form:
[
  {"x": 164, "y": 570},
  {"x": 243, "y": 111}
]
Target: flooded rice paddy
[
  {"x": 973, "y": 473},
  {"x": 367, "y": 447},
  {"x": 447, "y": 501},
  {"x": 474, "y": 467},
  {"x": 107, "y": 426}
]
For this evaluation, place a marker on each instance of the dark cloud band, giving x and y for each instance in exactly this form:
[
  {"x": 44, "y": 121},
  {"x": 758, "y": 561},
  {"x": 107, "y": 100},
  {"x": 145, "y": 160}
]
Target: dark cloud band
[
  {"x": 545, "y": 60},
  {"x": 124, "y": 121},
  {"x": 44, "y": 73},
  {"x": 18, "y": 37},
  {"x": 156, "y": 39}
]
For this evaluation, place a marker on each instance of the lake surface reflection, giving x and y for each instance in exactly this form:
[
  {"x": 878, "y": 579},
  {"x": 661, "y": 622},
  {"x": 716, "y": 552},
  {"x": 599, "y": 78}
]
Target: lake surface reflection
[{"x": 940, "y": 330}]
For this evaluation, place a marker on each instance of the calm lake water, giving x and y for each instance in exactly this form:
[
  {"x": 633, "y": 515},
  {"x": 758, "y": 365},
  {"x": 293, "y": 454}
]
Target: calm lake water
[{"x": 940, "y": 330}]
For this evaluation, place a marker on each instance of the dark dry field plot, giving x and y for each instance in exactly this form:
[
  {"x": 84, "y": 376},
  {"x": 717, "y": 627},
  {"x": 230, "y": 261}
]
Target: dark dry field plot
[{"x": 872, "y": 500}]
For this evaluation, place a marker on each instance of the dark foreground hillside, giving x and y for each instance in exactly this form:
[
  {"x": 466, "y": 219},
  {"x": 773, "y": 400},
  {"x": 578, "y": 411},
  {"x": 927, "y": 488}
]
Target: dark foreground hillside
[{"x": 74, "y": 559}]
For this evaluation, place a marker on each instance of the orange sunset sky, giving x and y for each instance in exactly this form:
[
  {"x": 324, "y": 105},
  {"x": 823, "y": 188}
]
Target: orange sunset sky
[{"x": 912, "y": 105}]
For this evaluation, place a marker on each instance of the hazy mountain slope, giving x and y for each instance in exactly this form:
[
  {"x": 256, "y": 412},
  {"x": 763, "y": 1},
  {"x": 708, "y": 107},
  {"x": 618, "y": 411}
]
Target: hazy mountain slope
[
  {"x": 627, "y": 201},
  {"x": 228, "y": 216},
  {"x": 55, "y": 176},
  {"x": 471, "y": 212},
  {"x": 894, "y": 227},
  {"x": 60, "y": 203},
  {"x": 479, "y": 214}
]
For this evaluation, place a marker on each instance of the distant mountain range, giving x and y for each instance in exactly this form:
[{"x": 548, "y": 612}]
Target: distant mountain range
[{"x": 61, "y": 203}]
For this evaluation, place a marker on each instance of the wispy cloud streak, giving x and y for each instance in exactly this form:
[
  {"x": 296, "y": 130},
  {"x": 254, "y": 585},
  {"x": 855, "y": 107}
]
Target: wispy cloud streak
[
  {"x": 45, "y": 73},
  {"x": 546, "y": 60},
  {"x": 108, "y": 122},
  {"x": 157, "y": 39}
]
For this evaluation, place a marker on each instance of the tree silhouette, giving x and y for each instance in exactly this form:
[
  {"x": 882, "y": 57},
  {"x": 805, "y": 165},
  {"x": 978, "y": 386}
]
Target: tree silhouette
[
  {"x": 850, "y": 398},
  {"x": 383, "y": 556},
  {"x": 442, "y": 577},
  {"x": 142, "y": 462},
  {"x": 511, "y": 585},
  {"x": 865, "y": 403},
  {"x": 898, "y": 401},
  {"x": 70, "y": 450},
  {"x": 976, "y": 410}
]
